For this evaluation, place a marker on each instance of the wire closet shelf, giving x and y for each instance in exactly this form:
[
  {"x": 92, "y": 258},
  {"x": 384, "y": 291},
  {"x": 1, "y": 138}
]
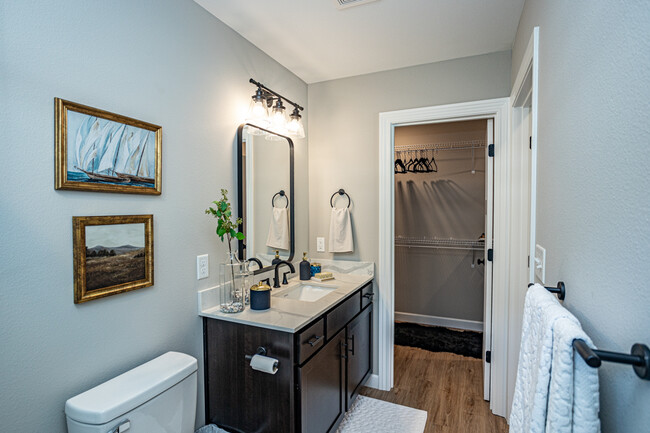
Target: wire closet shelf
[
  {"x": 454, "y": 145},
  {"x": 450, "y": 243}
]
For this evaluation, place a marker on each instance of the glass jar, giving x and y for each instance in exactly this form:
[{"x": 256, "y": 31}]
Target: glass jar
[{"x": 234, "y": 281}]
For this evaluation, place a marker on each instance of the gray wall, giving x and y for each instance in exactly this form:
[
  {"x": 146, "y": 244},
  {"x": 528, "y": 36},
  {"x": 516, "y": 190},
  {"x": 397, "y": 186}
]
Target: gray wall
[
  {"x": 449, "y": 203},
  {"x": 593, "y": 207},
  {"x": 167, "y": 62},
  {"x": 344, "y": 134}
]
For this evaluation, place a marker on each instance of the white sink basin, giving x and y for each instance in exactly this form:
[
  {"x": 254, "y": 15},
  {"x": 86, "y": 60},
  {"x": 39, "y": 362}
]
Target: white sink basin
[{"x": 306, "y": 292}]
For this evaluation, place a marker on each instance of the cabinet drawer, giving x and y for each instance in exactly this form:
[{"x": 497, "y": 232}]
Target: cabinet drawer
[
  {"x": 310, "y": 340},
  {"x": 342, "y": 314},
  {"x": 366, "y": 295}
]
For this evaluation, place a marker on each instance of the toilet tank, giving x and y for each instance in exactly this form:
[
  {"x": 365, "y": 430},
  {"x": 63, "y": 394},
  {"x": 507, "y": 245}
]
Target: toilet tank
[{"x": 156, "y": 397}]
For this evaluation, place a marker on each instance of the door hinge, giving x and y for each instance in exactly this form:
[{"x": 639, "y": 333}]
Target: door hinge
[
  {"x": 530, "y": 143},
  {"x": 488, "y": 356},
  {"x": 529, "y": 260},
  {"x": 490, "y": 255},
  {"x": 491, "y": 150}
]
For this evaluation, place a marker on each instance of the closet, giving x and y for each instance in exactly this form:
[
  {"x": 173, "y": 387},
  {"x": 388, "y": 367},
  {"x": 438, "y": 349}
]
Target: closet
[{"x": 440, "y": 235}]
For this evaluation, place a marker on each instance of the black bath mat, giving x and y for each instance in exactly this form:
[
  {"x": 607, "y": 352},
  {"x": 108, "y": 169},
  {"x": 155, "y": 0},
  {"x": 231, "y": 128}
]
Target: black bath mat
[{"x": 439, "y": 339}]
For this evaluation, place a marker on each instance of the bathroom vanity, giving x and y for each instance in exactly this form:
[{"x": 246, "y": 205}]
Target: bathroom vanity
[{"x": 321, "y": 334}]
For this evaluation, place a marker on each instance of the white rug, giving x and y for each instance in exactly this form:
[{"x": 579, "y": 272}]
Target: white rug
[{"x": 377, "y": 416}]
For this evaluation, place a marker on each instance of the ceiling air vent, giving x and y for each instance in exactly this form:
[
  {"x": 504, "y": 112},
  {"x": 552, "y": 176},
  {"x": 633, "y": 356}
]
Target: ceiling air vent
[{"x": 344, "y": 4}]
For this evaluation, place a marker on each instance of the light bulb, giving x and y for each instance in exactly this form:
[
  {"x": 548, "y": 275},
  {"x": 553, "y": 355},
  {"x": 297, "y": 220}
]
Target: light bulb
[
  {"x": 294, "y": 127},
  {"x": 258, "y": 114}
]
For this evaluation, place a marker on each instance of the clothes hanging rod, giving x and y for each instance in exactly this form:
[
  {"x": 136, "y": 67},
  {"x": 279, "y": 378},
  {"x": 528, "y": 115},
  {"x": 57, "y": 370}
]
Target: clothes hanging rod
[
  {"x": 258, "y": 84},
  {"x": 454, "y": 145},
  {"x": 454, "y": 244}
]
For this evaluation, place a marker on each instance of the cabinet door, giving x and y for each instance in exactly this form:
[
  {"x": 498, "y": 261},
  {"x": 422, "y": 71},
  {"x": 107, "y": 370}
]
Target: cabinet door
[
  {"x": 322, "y": 388},
  {"x": 359, "y": 348}
]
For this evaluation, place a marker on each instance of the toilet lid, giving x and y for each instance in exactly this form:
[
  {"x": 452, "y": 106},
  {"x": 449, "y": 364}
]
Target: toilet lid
[{"x": 127, "y": 391}]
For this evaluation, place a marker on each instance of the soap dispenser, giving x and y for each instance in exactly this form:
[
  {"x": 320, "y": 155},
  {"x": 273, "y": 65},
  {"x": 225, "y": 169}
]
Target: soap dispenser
[
  {"x": 305, "y": 268},
  {"x": 277, "y": 258}
]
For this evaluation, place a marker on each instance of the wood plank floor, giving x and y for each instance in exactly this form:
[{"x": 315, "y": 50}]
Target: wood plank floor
[{"x": 448, "y": 386}]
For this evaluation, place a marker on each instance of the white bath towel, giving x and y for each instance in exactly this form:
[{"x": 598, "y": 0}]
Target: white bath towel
[
  {"x": 573, "y": 397},
  {"x": 545, "y": 332},
  {"x": 279, "y": 229},
  {"x": 341, "y": 231}
]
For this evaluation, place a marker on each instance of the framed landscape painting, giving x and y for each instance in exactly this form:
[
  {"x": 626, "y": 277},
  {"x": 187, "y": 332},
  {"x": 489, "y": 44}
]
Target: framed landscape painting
[
  {"x": 100, "y": 151},
  {"x": 112, "y": 254}
]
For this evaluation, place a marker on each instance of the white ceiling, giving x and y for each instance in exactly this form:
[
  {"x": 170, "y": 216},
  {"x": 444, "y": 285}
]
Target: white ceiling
[{"x": 318, "y": 42}]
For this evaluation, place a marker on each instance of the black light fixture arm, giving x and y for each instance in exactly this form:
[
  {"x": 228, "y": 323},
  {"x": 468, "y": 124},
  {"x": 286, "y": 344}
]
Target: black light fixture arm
[{"x": 277, "y": 95}]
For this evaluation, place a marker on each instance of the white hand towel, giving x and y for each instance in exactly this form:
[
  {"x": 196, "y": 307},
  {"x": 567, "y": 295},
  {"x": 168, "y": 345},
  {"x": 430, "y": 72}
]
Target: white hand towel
[
  {"x": 341, "y": 231},
  {"x": 529, "y": 405},
  {"x": 573, "y": 398},
  {"x": 279, "y": 229}
]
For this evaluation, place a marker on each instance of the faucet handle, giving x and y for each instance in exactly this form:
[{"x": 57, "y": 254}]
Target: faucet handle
[{"x": 284, "y": 277}]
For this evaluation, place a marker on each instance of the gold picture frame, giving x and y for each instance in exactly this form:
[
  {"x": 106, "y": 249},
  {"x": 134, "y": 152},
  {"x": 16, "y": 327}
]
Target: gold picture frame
[
  {"x": 112, "y": 254},
  {"x": 96, "y": 150}
]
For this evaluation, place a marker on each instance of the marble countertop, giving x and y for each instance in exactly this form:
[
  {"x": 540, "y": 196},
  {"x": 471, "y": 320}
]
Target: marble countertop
[{"x": 287, "y": 315}]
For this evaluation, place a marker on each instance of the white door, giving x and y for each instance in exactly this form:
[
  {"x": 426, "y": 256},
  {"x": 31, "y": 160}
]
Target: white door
[{"x": 487, "y": 274}]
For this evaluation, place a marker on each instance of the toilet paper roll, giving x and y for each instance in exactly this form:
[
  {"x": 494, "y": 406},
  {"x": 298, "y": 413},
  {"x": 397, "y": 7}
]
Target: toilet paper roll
[{"x": 264, "y": 364}]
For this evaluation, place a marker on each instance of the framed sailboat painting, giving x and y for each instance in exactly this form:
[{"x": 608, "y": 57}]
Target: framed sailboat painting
[{"x": 101, "y": 151}]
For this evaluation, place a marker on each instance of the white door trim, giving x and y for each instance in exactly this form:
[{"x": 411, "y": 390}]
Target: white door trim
[
  {"x": 492, "y": 108},
  {"x": 524, "y": 99}
]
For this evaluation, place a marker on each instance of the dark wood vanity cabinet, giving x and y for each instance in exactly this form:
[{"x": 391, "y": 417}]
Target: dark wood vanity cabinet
[
  {"x": 322, "y": 367},
  {"x": 359, "y": 353}
]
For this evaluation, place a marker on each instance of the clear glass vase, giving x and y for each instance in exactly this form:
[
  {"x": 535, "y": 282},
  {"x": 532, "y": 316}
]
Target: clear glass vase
[{"x": 234, "y": 279}]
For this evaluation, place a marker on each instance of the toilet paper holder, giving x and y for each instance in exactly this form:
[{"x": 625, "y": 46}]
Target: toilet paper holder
[{"x": 260, "y": 351}]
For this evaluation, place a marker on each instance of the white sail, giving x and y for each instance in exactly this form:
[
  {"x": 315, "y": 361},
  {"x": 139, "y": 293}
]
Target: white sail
[
  {"x": 146, "y": 168},
  {"x": 107, "y": 163},
  {"x": 88, "y": 145},
  {"x": 127, "y": 147},
  {"x": 80, "y": 141}
]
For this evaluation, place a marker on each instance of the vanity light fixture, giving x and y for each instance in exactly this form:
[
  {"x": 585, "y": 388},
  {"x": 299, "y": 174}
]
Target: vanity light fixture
[{"x": 275, "y": 120}]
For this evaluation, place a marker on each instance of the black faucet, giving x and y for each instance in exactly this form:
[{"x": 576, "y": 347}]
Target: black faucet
[
  {"x": 276, "y": 278},
  {"x": 253, "y": 259}
]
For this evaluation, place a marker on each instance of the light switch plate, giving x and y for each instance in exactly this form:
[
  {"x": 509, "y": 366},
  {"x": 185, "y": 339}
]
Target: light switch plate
[
  {"x": 320, "y": 245},
  {"x": 540, "y": 263},
  {"x": 202, "y": 267}
]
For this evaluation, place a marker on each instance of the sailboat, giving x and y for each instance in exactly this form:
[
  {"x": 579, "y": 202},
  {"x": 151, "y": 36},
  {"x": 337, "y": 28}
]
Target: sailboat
[{"x": 113, "y": 152}]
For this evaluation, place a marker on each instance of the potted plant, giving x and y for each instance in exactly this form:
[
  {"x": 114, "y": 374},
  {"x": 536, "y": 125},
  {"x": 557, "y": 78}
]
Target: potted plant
[{"x": 233, "y": 274}]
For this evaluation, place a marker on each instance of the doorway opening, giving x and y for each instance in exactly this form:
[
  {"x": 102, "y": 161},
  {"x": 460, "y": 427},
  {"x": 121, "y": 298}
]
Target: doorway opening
[
  {"x": 444, "y": 182},
  {"x": 473, "y": 241}
]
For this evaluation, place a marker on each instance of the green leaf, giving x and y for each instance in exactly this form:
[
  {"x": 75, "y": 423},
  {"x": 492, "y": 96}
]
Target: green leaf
[
  {"x": 240, "y": 236},
  {"x": 228, "y": 213},
  {"x": 224, "y": 205},
  {"x": 221, "y": 231},
  {"x": 233, "y": 232}
]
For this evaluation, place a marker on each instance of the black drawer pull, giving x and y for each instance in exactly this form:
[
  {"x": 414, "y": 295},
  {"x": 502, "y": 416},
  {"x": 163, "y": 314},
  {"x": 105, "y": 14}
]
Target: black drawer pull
[
  {"x": 369, "y": 295},
  {"x": 314, "y": 340}
]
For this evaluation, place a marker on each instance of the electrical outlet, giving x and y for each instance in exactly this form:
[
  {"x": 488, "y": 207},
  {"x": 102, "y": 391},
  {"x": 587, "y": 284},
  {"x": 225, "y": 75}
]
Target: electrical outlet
[
  {"x": 202, "y": 267},
  {"x": 320, "y": 245}
]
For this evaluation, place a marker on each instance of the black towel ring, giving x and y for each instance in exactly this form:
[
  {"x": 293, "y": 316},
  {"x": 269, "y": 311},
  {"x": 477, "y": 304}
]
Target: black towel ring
[
  {"x": 340, "y": 192},
  {"x": 282, "y": 194}
]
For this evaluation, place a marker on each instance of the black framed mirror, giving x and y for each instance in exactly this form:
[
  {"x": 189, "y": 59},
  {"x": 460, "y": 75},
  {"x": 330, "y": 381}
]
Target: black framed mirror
[{"x": 265, "y": 181}]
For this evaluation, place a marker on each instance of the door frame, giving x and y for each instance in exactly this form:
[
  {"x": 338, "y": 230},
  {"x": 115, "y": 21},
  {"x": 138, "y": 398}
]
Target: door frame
[
  {"x": 492, "y": 108},
  {"x": 524, "y": 98}
]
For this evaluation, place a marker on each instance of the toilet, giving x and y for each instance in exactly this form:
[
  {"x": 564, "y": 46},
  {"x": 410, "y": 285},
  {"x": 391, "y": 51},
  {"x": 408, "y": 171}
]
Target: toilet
[{"x": 156, "y": 397}]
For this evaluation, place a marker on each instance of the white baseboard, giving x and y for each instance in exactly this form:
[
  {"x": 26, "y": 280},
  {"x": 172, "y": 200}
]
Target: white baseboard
[
  {"x": 373, "y": 381},
  {"x": 447, "y": 322}
]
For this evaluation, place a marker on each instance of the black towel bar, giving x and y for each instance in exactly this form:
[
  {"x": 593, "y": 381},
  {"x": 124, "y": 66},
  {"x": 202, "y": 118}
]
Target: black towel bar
[
  {"x": 340, "y": 192},
  {"x": 639, "y": 357},
  {"x": 560, "y": 290}
]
